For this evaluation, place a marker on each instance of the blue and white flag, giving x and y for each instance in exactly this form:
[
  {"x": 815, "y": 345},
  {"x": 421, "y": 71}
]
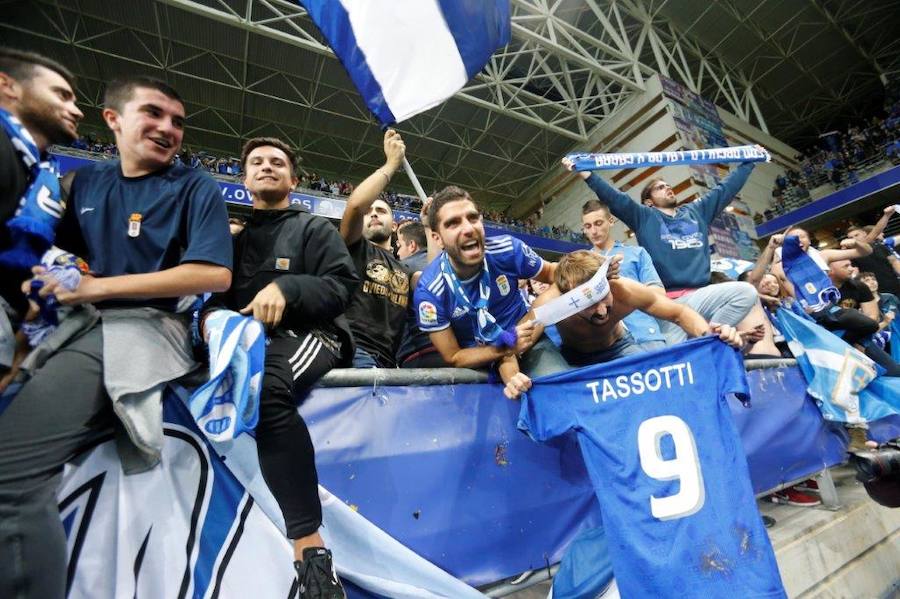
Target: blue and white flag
[
  {"x": 406, "y": 56},
  {"x": 228, "y": 404},
  {"x": 732, "y": 267},
  {"x": 843, "y": 381},
  {"x": 596, "y": 162}
]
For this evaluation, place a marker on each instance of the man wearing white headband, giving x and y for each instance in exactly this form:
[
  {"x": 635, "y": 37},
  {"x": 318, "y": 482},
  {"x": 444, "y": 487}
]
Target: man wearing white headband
[{"x": 595, "y": 333}]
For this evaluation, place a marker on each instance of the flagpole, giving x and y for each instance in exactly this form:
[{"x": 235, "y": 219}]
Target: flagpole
[{"x": 415, "y": 180}]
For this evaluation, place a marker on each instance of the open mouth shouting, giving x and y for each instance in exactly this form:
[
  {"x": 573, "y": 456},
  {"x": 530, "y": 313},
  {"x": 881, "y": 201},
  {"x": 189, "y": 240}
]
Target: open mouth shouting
[{"x": 471, "y": 250}]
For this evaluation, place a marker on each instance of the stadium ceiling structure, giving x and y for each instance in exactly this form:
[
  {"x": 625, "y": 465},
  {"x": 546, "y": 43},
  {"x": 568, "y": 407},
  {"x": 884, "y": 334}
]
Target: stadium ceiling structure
[{"x": 259, "y": 67}]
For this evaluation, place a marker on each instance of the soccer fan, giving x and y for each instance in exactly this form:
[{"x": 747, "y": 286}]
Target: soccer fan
[
  {"x": 636, "y": 264},
  {"x": 468, "y": 299},
  {"x": 377, "y": 313},
  {"x": 416, "y": 349},
  {"x": 677, "y": 239},
  {"x": 882, "y": 262},
  {"x": 37, "y": 110},
  {"x": 888, "y": 303},
  {"x": 292, "y": 272},
  {"x": 151, "y": 232},
  {"x": 597, "y": 333}
]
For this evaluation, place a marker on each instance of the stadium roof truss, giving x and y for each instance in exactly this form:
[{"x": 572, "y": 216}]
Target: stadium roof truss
[{"x": 260, "y": 67}]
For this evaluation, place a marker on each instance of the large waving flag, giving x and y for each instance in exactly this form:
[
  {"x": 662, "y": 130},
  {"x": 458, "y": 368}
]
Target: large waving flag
[
  {"x": 405, "y": 56},
  {"x": 843, "y": 381}
]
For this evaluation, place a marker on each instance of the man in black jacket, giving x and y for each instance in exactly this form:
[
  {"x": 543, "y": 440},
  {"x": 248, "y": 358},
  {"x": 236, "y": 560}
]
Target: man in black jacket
[{"x": 292, "y": 272}]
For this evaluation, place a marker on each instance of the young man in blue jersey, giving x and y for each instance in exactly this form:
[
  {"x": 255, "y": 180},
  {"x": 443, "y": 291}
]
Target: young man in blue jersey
[
  {"x": 151, "y": 232},
  {"x": 677, "y": 239},
  {"x": 468, "y": 299},
  {"x": 636, "y": 264}
]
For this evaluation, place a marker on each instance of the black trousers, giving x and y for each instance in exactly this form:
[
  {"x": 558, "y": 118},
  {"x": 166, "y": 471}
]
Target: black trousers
[
  {"x": 286, "y": 454},
  {"x": 856, "y": 325}
]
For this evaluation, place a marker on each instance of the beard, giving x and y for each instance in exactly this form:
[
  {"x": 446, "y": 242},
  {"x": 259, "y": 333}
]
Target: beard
[
  {"x": 40, "y": 118},
  {"x": 377, "y": 235}
]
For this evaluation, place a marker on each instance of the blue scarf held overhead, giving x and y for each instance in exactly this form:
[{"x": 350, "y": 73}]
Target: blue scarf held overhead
[
  {"x": 34, "y": 225},
  {"x": 596, "y": 162},
  {"x": 813, "y": 288},
  {"x": 228, "y": 404},
  {"x": 487, "y": 330}
]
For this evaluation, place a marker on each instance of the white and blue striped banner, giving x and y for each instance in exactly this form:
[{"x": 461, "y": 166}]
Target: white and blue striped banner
[
  {"x": 843, "y": 381},
  {"x": 405, "y": 56},
  {"x": 596, "y": 162}
]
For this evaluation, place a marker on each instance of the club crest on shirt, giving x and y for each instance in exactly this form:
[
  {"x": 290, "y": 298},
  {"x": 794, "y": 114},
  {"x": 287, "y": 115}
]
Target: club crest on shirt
[
  {"x": 503, "y": 285},
  {"x": 427, "y": 313},
  {"x": 282, "y": 263},
  {"x": 377, "y": 271}
]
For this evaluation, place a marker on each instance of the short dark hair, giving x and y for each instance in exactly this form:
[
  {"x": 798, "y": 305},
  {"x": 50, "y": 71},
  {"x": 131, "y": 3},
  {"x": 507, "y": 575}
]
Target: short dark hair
[
  {"x": 259, "y": 142},
  {"x": 867, "y": 275},
  {"x": 413, "y": 231},
  {"x": 120, "y": 91},
  {"x": 593, "y": 206},
  {"x": 20, "y": 65},
  {"x": 451, "y": 193}
]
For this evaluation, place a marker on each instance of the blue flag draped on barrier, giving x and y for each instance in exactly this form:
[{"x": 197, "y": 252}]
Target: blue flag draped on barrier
[
  {"x": 595, "y": 162},
  {"x": 895, "y": 339},
  {"x": 843, "y": 381},
  {"x": 406, "y": 56}
]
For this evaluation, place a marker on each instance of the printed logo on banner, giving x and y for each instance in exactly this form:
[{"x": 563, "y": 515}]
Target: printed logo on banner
[{"x": 427, "y": 313}]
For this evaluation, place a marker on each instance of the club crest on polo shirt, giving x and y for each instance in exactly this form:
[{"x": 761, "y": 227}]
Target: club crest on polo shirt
[
  {"x": 282, "y": 263},
  {"x": 503, "y": 285},
  {"x": 427, "y": 313}
]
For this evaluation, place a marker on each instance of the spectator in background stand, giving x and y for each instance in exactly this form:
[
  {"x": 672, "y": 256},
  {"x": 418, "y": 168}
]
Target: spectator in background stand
[
  {"x": 882, "y": 262},
  {"x": 377, "y": 313},
  {"x": 416, "y": 349},
  {"x": 677, "y": 239},
  {"x": 596, "y": 221}
]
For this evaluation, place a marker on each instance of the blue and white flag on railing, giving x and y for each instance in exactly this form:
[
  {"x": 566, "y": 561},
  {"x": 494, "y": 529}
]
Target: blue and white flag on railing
[
  {"x": 228, "y": 404},
  {"x": 596, "y": 162},
  {"x": 844, "y": 382},
  {"x": 405, "y": 56}
]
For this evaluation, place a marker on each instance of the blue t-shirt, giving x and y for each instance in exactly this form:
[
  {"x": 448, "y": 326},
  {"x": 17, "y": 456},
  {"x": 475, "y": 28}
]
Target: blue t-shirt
[
  {"x": 131, "y": 225},
  {"x": 679, "y": 245},
  {"x": 508, "y": 260},
  {"x": 637, "y": 266},
  {"x": 668, "y": 467}
]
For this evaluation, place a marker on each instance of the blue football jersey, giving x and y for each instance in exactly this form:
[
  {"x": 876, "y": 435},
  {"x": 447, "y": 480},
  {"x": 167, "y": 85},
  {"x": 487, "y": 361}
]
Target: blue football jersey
[
  {"x": 668, "y": 467},
  {"x": 509, "y": 260}
]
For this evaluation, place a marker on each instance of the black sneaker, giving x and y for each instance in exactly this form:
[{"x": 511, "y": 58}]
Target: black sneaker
[{"x": 317, "y": 576}]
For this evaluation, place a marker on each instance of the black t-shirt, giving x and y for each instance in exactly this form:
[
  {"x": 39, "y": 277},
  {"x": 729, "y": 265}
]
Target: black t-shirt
[
  {"x": 14, "y": 179},
  {"x": 854, "y": 294},
  {"x": 877, "y": 263},
  {"x": 377, "y": 312}
]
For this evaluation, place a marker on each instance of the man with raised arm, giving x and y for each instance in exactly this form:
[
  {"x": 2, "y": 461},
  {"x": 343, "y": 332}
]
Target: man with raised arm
[
  {"x": 596, "y": 333},
  {"x": 37, "y": 110},
  {"x": 292, "y": 273},
  {"x": 151, "y": 232},
  {"x": 377, "y": 313},
  {"x": 677, "y": 239}
]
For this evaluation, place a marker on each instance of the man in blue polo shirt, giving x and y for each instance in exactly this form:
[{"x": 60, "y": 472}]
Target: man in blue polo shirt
[
  {"x": 468, "y": 299},
  {"x": 677, "y": 239},
  {"x": 152, "y": 232},
  {"x": 596, "y": 221}
]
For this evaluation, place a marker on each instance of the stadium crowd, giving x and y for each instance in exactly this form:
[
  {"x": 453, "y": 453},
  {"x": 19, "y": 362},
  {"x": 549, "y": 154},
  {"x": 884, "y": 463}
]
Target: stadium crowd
[
  {"x": 103, "y": 320},
  {"x": 839, "y": 159}
]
